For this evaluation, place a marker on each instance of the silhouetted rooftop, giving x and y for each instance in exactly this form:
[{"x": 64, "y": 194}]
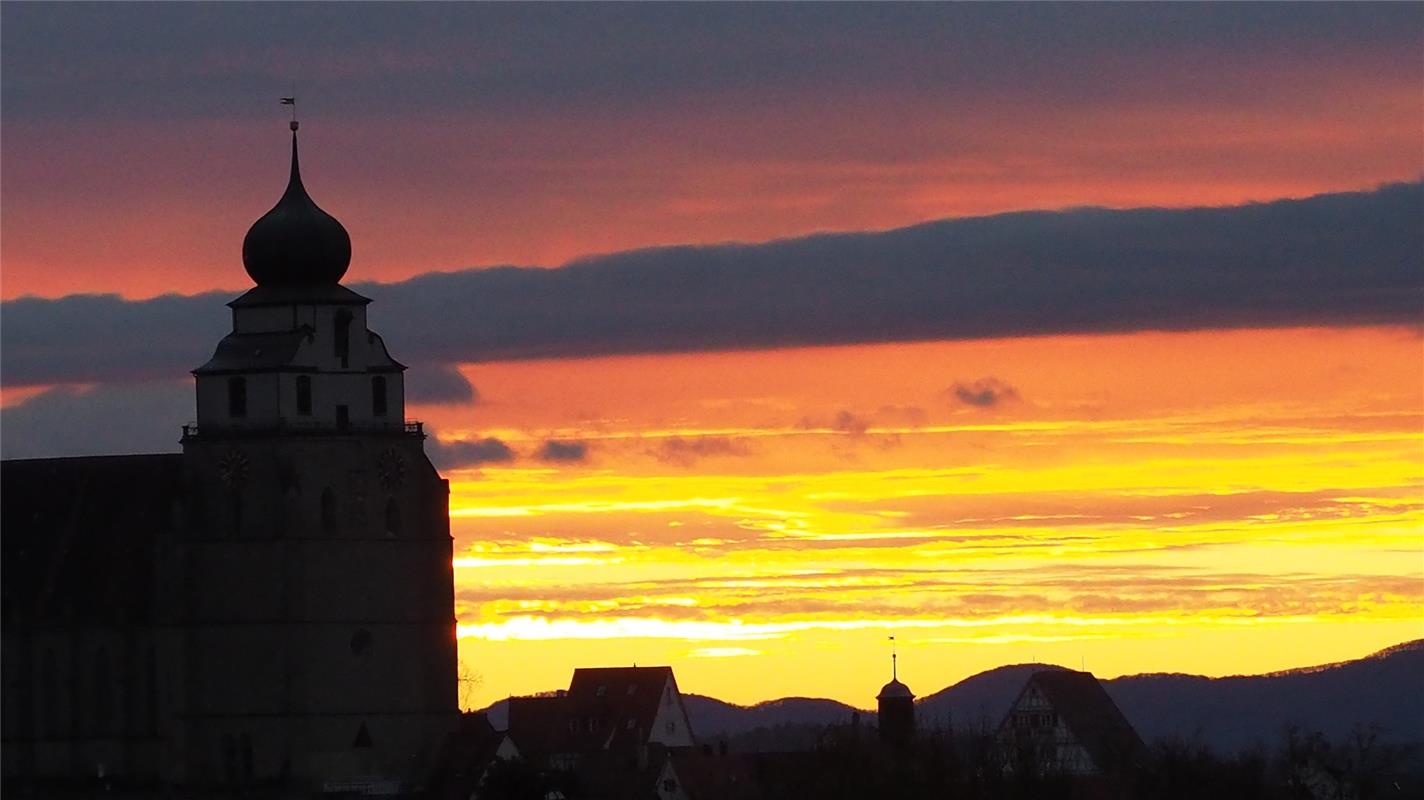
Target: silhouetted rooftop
[
  {"x": 1095, "y": 720},
  {"x": 895, "y": 689}
]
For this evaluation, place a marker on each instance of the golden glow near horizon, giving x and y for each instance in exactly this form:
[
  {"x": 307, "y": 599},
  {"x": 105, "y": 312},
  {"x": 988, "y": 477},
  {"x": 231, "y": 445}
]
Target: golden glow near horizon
[{"x": 1213, "y": 502}]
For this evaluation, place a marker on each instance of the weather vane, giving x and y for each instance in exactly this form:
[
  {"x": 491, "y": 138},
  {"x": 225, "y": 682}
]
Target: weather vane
[
  {"x": 292, "y": 101},
  {"x": 894, "y": 671}
]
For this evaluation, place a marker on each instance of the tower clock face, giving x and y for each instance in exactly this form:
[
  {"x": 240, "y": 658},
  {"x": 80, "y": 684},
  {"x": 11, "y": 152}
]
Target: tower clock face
[
  {"x": 233, "y": 469},
  {"x": 390, "y": 469}
]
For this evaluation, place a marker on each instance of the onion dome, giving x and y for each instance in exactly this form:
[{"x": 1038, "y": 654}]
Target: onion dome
[
  {"x": 296, "y": 243},
  {"x": 895, "y": 689}
]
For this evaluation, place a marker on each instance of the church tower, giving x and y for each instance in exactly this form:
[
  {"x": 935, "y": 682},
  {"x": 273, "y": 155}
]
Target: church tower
[
  {"x": 896, "y": 706},
  {"x": 312, "y": 580}
]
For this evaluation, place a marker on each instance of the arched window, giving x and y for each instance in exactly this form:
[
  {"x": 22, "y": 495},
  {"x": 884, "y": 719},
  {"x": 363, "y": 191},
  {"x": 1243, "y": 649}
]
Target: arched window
[
  {"x": 304, "y": 395},
  {"x": 378, "y": 396},
  {"x": 328, "y": 511},
  {"x": 103, "y": 691},
  {"x": 342, "y": 336},
  {"x": 393, "y": 518},
  {"x": 237, "y": 397}
]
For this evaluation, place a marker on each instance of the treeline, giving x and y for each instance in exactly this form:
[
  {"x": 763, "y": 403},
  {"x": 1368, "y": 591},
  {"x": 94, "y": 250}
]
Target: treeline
[{"x": 848, "y": 762}]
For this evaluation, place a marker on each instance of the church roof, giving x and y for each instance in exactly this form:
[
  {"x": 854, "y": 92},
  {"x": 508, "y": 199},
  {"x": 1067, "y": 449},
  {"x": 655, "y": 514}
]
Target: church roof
[
  {"x": 80, "y": 536},
  {"x": 296, "y": 244}
]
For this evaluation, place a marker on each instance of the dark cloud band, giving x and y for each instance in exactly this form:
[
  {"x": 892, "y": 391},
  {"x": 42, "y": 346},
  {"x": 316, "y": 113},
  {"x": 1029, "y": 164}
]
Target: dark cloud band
[{"x": 1346, "y": 258}]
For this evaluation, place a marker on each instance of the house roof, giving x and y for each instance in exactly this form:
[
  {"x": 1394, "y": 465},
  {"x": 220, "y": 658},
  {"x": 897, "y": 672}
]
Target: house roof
[
  {"x": 623, "y": 701},
  {"x": 465, "y": 757},
  {"x": 80, "y": 536},
  {"x": 621, "y": 776},
  {"x": 538, "y": 725},
  {"x": 605, "y": 708},
  {"x": 724, "y": 776},
  {"x": 1095, "y": 720}
]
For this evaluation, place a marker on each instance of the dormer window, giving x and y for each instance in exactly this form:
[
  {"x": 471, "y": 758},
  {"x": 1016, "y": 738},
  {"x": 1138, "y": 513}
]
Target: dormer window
[
  {"x": 602, "y": 690},
  {"x": 237, "y": 397}
]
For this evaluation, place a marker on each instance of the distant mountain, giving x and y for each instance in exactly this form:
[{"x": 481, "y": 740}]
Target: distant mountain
[
  {"x": 713, "y": 718},
  {"x": 977, "y": 701},
  {"x": 1386, "y": 689}
]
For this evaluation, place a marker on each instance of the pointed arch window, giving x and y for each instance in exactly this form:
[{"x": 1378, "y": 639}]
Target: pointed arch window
[
  {"x": 304, "y": 396},
  {"x": 378, "y": 396},
  {"x": 237, "y": 397}
]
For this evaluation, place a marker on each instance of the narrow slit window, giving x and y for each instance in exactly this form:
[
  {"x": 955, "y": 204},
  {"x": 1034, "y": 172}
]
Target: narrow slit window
[
  {"x": 151, "y": 688},
  {"x": 103, "y": 698},
  {"x": 393, "y": 518},
  {"x": 49, "y": 693},
  {"x": 304, "y": 404}
]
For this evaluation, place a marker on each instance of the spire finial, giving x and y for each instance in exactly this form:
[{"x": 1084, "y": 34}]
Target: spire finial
[
  {"x": 894, "y": 659},
  {"x": 292, "y": 101},
  {"x": 294, "y": 180}
]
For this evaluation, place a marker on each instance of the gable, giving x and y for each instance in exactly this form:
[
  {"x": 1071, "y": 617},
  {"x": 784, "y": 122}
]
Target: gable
[{"x": 671, "y": 726}]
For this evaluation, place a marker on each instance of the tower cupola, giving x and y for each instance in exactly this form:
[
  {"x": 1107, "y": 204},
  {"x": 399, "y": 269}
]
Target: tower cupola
[
  {"x": 896, "y": 706},
  {"x": 296, "y": 244}
]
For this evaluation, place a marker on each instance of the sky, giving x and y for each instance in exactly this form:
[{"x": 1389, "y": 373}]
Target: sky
[{"x": 751, "y": 336}]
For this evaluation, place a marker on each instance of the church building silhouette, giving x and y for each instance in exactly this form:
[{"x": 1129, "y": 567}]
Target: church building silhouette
[{"x": 272, "y": 607}]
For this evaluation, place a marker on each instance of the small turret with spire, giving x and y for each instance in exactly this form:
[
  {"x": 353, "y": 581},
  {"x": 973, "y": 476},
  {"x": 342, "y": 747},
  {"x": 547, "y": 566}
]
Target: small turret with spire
[{"x": 896, "y": 705}]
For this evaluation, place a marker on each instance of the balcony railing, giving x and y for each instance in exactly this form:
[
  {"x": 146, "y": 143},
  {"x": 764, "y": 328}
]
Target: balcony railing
[{"x": 308, "y": 427}]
